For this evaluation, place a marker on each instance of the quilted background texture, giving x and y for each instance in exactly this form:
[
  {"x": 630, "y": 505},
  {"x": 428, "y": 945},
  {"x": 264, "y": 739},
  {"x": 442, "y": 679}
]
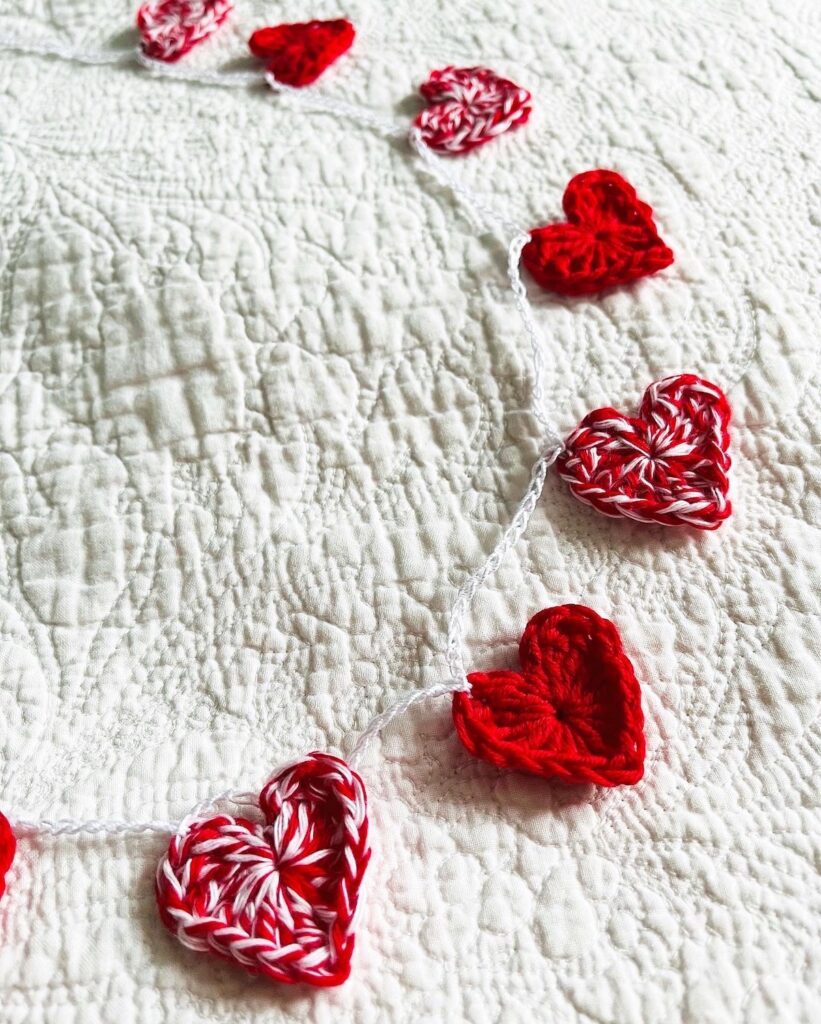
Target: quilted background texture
[{"x": 264, "y": 405}]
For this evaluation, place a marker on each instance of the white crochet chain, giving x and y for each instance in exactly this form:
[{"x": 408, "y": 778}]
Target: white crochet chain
[{"x": 553, "y": 444}]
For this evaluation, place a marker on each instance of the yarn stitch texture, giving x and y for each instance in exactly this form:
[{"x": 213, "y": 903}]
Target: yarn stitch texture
[
  {"x": 469, "y": 107},
  {"x": 297, "y": 54},
  {"x": 608, "y": 239},
  {"x": 171, "y": 28},
  {"x": 572, "y": 713},
  {"x": 8, "y": 846},
  {"x": 277, "y": 897},
  {"x": 670, "y": 465}
]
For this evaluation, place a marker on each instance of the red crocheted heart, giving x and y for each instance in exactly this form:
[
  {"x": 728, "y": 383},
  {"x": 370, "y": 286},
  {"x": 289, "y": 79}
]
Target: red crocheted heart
[
  {"x": 8, "y": 847},
  {"x": 572, "y": 713},
  {"x": 279, "y": 896},
  {"x": 609, "y": 238},
  {"x": 469, "y": 107},
  {"x": 669, "y": 465},
  {"x": 298, "y": 54},
  {"x": 170, "y": 28}
]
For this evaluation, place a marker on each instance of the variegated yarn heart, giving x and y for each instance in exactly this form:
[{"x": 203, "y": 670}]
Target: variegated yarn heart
[
  {"x": 278, "y": 897},
  {"x": 170, "y": 28},
  {"x": 469, "y": 107},
  {"x": 669, "y": 465}
]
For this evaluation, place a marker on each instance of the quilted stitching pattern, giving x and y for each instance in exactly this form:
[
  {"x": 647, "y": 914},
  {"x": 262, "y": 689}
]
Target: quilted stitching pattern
[{"x": 260, "y": 412}]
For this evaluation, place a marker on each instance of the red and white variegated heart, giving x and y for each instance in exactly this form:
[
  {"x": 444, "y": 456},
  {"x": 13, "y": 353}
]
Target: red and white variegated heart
[
  {"x": 669, "y": 465},
  {"x": 170, "y": 28},
  {"x": 277, "y": 896},
  {"x": 469, "y": 107}
]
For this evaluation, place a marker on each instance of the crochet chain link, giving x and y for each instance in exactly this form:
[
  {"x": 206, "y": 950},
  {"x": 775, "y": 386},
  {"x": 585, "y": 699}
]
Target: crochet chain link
[{"x": 481, "y": 212}]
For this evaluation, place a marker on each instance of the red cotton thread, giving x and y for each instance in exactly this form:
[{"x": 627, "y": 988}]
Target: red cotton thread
[
  {"x": 297, "y": 54},
  {"x": 670, "y": 465},
  {"x": 170, "y": 28},
  {"x": 8, "y": 848},
  {"x": 468, "y": 107},
  {"x": 278, "y": 897},
  {"x": 572, "y": 712},
  {"x": 608, "y": 239}
]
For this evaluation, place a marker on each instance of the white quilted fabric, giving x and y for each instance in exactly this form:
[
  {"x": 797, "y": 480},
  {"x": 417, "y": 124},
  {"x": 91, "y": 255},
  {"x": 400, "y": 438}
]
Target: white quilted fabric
[{"x": 263, "y": 408}]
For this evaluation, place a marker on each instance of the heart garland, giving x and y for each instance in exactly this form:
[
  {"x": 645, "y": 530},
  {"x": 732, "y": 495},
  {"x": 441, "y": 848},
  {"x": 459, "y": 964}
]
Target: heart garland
[
  {"x": 278, "y": 897},
  {"x": 8, "y": 846},
  {"x": 170, "y": 28},
  {"x": 469, "y": 107},
  {"x": 572, "y": 713},
  {"x": 608, "y": 239},
  {"x": 297, "y": 54},
  {"x": 670, "y": 465}
]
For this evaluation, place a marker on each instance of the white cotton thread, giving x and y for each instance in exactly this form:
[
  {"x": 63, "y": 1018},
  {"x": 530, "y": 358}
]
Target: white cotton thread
[
  {"x": 28, "y": 825},
  {"x": 480, "y": 211},
  {"x": 225, "y": 79},
  {"x": 56, "y": 49},
  {"x": 93, "y": 826},
  {"x": 323, "y": 105},
  {"x": 399, "y": 707}
]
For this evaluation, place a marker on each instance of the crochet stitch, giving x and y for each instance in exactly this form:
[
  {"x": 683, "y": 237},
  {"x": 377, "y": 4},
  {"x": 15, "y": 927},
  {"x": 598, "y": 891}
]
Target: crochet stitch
[
  {"x": 469, "y": 107},
  {"x": 170, "y": 28},
  {"x": 608, "y": 239},
  {"x": 277, "y": 897},
  {"x": 8, "y": 846},
  {"x": 669, "y": 465},
  {"x": 297, "y": 54},
  {"x": 572, "y": 713}
]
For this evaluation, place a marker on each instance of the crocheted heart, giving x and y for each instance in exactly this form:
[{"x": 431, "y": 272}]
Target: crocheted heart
[
  {"x": 170, "y": 28},
  {"x": 609, "y": 238},
  {"x": 8, "y": 846},
  {"x": 469, "y": 107},
  {"x": 298, "y": 54},
  {"x": 572, "y": 713},
  {"x": 669, "y": 465},
  {"x": 278, "y": 896}
]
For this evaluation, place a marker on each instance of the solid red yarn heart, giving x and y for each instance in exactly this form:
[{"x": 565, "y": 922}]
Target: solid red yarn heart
[
  {"x": 609, "y": 238},
  {"x": 670, "y": 465},
  {"x": 8, "y": 847},
  {"x": 469, "y": 107},
  {"x": 572, "y": 713},
  {"x": 298, "y": 54},
  {"x": 170, "y": 28},
  {"x": 279, "y": 896}
]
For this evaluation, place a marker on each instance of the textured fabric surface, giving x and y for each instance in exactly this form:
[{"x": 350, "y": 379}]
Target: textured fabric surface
[{"x": 262, "y": 393}]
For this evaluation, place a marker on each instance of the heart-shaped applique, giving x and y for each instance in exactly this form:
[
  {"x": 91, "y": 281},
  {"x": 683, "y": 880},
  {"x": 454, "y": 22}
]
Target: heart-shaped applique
[
  {"x": 572, "y": 713},
  {"x": 8, "y": 846},
  {"x": 469, "y": 107},
  {"x": 609, "y": 238},
  {"x": 170, "y": 28},
  {"x": 278, "y": 896},
  {"x": 669, "y": 465},
  {"x": 297, "y": 54}
]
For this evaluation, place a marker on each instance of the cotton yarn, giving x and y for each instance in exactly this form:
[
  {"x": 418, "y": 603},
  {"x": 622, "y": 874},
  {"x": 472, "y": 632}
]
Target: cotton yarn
[{"x": 669, "y": 465}]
